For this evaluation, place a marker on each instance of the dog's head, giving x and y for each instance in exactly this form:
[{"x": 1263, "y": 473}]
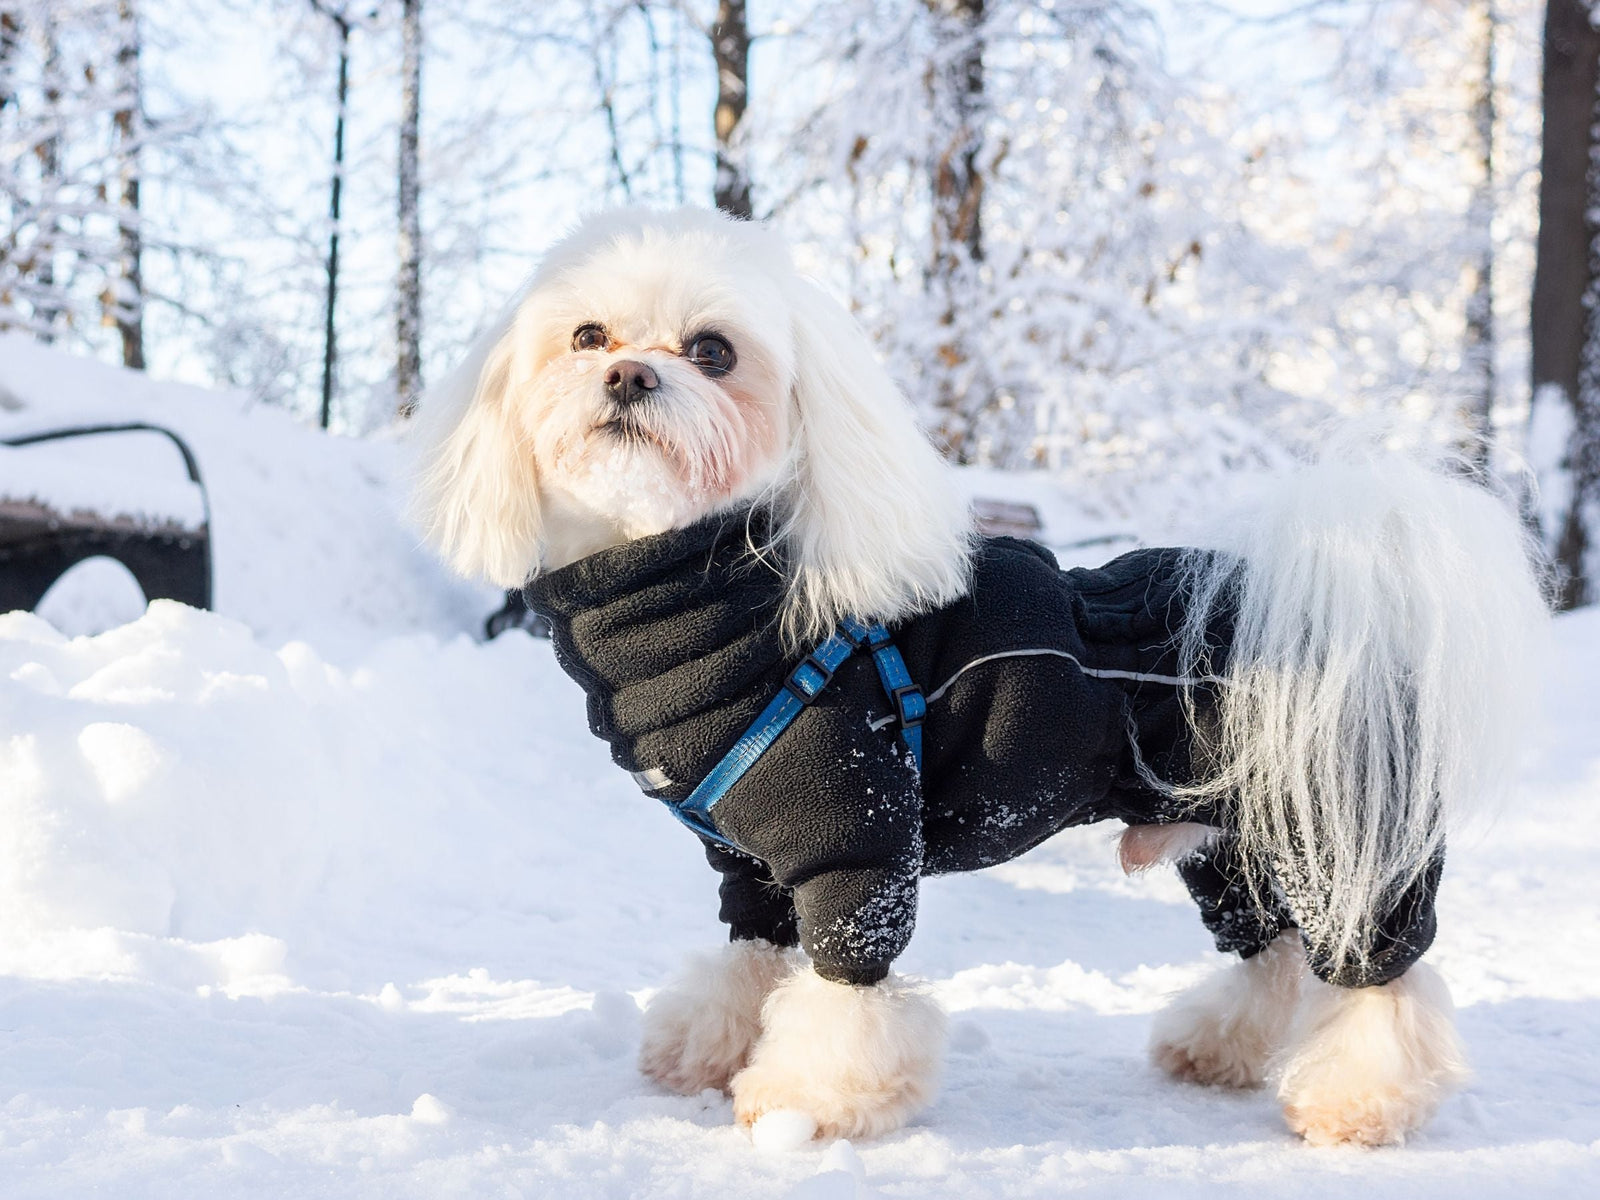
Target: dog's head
[{"x": 663, "y": 366}]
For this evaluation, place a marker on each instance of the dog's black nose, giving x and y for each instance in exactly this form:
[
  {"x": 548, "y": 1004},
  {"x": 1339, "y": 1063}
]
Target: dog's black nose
[{"x": 629, "y": 382}]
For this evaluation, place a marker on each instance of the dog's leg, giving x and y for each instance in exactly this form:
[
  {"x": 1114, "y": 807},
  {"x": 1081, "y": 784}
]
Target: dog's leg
[
  {"x": 698, "y": 1031},
  {"x": 860, "y": 1061},
  {"x": 1226, "y": 1028},
  {"x": 1370, "y": 1065}
]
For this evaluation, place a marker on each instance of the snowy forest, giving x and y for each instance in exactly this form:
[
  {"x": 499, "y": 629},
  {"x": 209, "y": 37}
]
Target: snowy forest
[
  {"x": 1117, "y": 240},
  {"x": 314, "y": 879}
]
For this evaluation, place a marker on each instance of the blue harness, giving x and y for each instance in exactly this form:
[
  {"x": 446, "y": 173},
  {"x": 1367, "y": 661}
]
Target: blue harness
[{"x": 803, "y": 685}]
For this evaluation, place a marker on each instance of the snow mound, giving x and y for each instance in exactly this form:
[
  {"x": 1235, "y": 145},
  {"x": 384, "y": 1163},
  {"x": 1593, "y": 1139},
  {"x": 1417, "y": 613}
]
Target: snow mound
[
  {"x": 305, "y": 532},
  {"x": 782, "y": 1130}
]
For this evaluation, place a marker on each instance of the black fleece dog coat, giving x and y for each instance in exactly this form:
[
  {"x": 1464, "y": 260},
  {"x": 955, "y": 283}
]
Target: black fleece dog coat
[{"x": 1052, "y": 700}]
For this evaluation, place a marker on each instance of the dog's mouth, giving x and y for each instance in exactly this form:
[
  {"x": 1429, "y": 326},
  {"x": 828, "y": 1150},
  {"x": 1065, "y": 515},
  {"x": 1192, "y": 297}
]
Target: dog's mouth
[{"x": 626, "y": 427}]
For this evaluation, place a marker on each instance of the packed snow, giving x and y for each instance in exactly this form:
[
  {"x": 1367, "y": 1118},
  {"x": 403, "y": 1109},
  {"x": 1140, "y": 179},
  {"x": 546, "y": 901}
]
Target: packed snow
[{"x": 321, "y": 895}]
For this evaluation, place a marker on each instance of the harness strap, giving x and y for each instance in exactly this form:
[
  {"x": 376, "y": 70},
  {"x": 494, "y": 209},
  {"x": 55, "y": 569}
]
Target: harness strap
[
  {"x": 803, "y": 685},
  {"x": 911, "y": 706}
]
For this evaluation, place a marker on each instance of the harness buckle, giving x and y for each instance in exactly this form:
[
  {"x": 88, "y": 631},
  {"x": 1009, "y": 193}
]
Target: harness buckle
[
  {"x": 808, "y": 679},
  {"x": 863, "y": 636},
  {"x": 912, "y": 705},
  {"x": 853, "y": 631}
]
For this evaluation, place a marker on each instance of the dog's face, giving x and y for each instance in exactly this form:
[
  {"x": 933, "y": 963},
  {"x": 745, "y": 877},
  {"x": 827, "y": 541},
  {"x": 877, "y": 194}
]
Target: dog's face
[
  {"x": 653, "y": 386},
  {"x": 663, "y": 366}
]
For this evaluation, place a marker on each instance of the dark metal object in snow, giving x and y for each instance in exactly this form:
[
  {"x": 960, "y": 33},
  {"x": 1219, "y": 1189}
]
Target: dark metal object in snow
[
  {"x": 514, "y": 614},
  {"x": 1010, "y": 518},
  {"x": 1006, "y": 518},
  {"x": 39, "y": 544}
]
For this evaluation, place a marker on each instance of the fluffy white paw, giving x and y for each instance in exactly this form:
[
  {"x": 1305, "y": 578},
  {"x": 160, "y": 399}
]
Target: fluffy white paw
[
  {"x": 1225, "y": 1029},
  {"x": 858, "y": 1061},
  {"x": 1370, "y": 1065},
  {"x": 699, "y": 1030}
]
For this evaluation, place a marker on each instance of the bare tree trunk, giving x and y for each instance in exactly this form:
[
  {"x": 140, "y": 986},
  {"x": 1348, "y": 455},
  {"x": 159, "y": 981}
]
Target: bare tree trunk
[
  {"x": 329, "y": 342},
  {"x": 10, "y": 46},
  {"x": 10, "y": 42},
  {"x": 408, "y": 320},
  {"x": 1478, "y": 412},
  {"x": 48, "y": 151},
  {"x": 126, "y": 294},
  {"x": 1566, "y": 341},
  {"x": 957, "y": 90},
  {"x": 730, "y": 46},
  {"x": 675, "y": 100},
  {"x": 605, "y": 84}
]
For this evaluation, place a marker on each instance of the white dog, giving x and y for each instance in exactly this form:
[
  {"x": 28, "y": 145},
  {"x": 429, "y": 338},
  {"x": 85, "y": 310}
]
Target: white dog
[{"x": 691, "y": 456}]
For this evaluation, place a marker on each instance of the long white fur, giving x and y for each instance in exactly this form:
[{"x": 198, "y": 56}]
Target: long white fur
[
  {"x": 860, "y": 1061},
  {"x": 867, "y": 519},
  {"x": 1388, "y": 627},
  {"x": 476, "y": 496},
  {"x": 699, "y": 1030},
  {"x": 1369, "y": 1065},
  {"x": 1227, "y": 1029},
  {"x": 870, "y": 517}
]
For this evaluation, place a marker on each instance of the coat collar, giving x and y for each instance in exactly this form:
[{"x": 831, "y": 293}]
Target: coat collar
[{"x": 717, "y": 549}]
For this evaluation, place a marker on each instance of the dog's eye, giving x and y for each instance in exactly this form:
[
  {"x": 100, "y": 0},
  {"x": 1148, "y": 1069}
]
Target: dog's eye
[
  {"x": 711, "y": 354},
  {"x": 590, "y": 337}
]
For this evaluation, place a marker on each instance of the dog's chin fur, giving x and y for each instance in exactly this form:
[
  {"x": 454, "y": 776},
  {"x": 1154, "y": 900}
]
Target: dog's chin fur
[
  {"x": 859, "y": 1061},
  {"x": 699, "y": 1030}
]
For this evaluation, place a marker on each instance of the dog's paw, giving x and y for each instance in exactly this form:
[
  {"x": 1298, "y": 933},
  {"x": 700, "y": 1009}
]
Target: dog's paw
[
  {"x": 1225, "y": 1030},
  {"x": 1383, "y": 1117},
  {"x": 1369, "y": 1066},
  {"x": 859, "y": 1061},
  {"x": 699, "y": 1030},
  {"x": 1209, "y": 1058}
]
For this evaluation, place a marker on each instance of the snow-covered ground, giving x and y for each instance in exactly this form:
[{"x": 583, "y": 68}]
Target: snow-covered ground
[{"x": 317, "y": 895}]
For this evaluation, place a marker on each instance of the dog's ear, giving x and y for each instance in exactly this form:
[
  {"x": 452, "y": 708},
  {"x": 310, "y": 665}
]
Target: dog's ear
[
  {"x": 477, "y": 496},
  {"x": 873, "y": 524}
]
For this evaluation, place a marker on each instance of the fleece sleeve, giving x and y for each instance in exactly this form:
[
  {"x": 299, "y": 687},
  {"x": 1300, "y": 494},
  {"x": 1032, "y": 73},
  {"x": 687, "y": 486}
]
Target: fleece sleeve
[
  {"x": 834, "y": 809},
  {"x": 1396, "y": 940},
  {"x": 1217, "y": 881},
  {"x": 754, "y": 906},
  {"x": 854, "y": 923}
]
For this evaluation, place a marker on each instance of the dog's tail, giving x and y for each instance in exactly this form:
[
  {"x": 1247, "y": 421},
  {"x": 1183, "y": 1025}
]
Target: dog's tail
[{"x": 1386, "y": 619}]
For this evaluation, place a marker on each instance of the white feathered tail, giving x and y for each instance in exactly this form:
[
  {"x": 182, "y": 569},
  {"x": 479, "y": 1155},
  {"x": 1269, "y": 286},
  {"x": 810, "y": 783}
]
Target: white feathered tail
[{"x": 1386, "y": 626}]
